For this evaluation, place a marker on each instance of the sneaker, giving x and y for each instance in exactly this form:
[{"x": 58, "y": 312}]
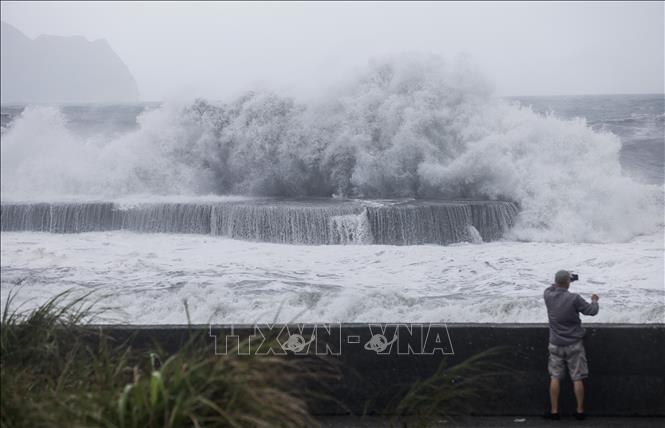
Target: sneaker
[{"x": 580, "y": 416}]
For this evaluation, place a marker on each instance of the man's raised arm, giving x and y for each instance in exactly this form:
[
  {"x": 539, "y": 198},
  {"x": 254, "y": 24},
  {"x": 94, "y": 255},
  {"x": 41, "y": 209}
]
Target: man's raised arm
[{"x": 585, "y": 307}]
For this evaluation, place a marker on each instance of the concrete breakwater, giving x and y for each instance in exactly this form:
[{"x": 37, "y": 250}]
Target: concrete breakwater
[
  {"x": 314, "y": 222},
  {"x": 627, "y": 368}
]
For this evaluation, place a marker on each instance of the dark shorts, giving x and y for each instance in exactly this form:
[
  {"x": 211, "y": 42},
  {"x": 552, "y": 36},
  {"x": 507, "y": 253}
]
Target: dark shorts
[{"x": 572, "y": 356}]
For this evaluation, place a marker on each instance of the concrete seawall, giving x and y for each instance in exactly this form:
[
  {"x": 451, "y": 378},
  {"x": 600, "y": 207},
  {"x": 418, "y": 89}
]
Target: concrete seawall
[
  {"x": 288, "y": 221},
  {"x": 626, "y": 361}
]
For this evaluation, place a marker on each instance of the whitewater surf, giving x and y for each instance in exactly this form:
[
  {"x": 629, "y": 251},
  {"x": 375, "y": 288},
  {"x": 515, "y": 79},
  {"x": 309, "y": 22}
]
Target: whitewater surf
[{"x": 459, "y": 204}]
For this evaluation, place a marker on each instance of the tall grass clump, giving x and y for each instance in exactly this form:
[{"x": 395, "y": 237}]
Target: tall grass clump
[
  {"x": 452, "y": 390},
  {"x": 56, "y": 372}
]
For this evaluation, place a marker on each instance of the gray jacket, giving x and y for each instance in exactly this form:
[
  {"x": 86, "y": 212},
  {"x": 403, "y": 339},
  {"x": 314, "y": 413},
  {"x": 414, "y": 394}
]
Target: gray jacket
[{"x": 563, "y": 309}]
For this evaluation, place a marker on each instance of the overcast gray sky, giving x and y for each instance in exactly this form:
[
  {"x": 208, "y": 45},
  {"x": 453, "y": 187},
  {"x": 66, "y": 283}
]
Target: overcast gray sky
[{"x": 218, "y": 49}]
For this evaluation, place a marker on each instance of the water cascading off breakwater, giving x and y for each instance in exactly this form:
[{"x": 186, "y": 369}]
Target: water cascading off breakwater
[{"x": 312, "y": 222}]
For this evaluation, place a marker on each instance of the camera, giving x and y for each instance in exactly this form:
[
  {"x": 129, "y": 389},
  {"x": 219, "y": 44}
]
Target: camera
[{"x": 574, "y": 277}]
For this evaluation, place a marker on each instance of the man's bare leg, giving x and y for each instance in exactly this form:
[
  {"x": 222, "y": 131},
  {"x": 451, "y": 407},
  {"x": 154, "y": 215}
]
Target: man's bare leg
[
  {"x": 554, "y": 394},
  {"x": 579, "y": 395}
]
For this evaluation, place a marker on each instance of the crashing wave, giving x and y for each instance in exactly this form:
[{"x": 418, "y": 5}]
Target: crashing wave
[{"x": 413, "y": 127}]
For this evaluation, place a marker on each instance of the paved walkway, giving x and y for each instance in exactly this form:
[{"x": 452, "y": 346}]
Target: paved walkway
[{"x": 596, "y": 422}]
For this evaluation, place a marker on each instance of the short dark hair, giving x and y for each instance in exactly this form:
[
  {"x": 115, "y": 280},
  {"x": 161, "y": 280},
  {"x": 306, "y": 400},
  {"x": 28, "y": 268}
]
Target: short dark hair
[{"x": 562, "y": 277}]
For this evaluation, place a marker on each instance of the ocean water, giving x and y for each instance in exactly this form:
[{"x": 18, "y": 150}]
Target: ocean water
[
  {"x": 219, "y": 203},
  {"x": 638, "y": 120},
  {"x": 147, "y": 277}
]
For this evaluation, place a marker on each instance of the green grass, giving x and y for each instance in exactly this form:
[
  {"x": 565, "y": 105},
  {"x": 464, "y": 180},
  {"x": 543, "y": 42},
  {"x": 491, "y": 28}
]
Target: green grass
[
  {"x": 58, "y": 372},
  {"x": 453, "y": 391}
]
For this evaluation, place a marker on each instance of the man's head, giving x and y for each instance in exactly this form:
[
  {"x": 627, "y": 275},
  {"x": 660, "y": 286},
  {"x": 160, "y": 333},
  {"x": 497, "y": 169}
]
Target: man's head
[{"x": 562, "y": 278}]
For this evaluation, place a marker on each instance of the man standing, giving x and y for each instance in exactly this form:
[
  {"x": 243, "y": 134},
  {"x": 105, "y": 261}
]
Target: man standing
[{"x": 566, "y": 333}]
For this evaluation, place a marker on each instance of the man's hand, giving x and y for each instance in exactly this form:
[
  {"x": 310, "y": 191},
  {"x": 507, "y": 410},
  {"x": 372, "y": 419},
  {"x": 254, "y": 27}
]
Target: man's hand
[{"x": 594, "y": 297}]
